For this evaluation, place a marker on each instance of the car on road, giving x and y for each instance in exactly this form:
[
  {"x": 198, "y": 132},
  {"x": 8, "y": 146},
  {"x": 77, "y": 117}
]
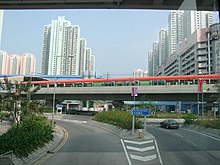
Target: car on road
[{"x": 170, "y": 123}]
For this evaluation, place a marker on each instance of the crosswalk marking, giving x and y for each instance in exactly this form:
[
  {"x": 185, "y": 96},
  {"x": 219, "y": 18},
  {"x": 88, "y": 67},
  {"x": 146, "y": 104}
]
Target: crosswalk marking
[
  {"x": 139, "y": 143},
  {"x": 145, "y": 158},
  {"x": 141, "y": 149}
]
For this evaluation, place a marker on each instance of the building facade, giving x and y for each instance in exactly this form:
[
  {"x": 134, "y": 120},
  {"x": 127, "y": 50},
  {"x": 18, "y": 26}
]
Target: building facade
[
  {"x": 138, "y": 73},
  {"x": 155, "y": 55},
  {"x": 3, "y": 62},
  {"x": 214, "y": 37},
  {"x": 181, "y": 24},
  {"x": 163, "y": 46},
  {"x": 150, "y": 63},
  {"x": 82, "y": 56},
  {"x": 1, "y": 24},
  {"x": 88, "y": 62},
  {"x": 15, "y": 64},
  {"x": 27, "y": 64},
  {"x": 198, "y": 54},
  {"x": 64, "y": 52}
]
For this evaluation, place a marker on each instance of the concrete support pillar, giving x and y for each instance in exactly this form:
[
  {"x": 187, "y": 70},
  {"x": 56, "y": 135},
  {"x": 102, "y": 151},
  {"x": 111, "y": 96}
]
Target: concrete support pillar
[{"x": 87, "y": 104}]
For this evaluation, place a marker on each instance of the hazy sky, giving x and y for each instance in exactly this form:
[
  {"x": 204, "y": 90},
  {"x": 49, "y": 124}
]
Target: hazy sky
[{"x": 119, "y": 39}]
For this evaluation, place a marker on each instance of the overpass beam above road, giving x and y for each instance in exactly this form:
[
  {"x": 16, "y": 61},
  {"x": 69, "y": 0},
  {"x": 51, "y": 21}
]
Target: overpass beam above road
[
  {"x": 107, "y": 4},
  {"x": 124, "y": 97},
  {"x": 152, "y": 93}
]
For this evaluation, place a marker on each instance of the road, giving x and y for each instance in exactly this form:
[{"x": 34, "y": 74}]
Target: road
[
  {"x": 88, "y": 145},
  {"x": 184, "y": 147}
]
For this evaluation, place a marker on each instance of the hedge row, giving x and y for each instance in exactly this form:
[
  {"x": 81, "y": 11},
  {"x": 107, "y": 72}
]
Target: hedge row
[
  {"x": 32, "y": 133},
  {"x": 121, "y": 119},
  {"x": 208, "y": 123}
]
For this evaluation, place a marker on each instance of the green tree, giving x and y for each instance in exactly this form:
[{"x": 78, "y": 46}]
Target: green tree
[{"x": 17, "y": 97}]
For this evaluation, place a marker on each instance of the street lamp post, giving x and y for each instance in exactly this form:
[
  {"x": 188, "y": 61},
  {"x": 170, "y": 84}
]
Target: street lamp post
[
  {"x": 54, "y": 93},
  {"x": 54, "y": 97}
]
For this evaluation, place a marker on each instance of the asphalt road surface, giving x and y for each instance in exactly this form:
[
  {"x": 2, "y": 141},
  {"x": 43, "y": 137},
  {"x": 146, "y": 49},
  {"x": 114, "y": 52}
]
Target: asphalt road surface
[
  {"x": 87, "y": 145},
  {"x": 184, "y": 147}
]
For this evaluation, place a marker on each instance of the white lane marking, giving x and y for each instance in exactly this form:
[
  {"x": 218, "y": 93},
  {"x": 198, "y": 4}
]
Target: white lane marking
[
  {"x": 73, "y": 121},
  {"x": 126, "y": 153},
  {"x": 144, "y": 159},
  {"x": 139, "y": 143},
  {"x": 201, "y": 134},
  {"x": 178, "y": 135},
  {"x": 191, "y": 142},
  {"x": 141, "y": 149},
  {"x": 158, "y": 153}
]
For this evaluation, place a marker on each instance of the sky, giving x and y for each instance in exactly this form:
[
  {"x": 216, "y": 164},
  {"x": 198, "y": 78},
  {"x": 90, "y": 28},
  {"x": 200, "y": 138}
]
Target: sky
[{"x": 119, "y": 39}]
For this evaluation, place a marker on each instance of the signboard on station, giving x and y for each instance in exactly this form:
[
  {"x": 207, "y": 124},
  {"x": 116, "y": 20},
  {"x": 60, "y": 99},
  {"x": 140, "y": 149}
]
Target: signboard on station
[
  {"x": 140, "y": 112},
  {"x": 59, "y": 106}
]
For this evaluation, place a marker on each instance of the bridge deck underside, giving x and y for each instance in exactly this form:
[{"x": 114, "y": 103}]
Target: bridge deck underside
[
  {"x": 109, "y": 4},
  {"x": 154, "y": 93}
]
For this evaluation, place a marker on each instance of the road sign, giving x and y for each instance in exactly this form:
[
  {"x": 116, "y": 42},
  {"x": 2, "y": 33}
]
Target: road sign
[
  {"x": 134, "y": 91},
  {"x": 59, "y": 106},
  {"x": 142, "y": 112}
]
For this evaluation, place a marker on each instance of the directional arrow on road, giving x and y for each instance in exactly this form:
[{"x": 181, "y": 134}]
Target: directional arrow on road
[
  {"x": 145, "y": 158},
  {"x": 139, "y": 143},
  {"x": 141, "y": 149}
]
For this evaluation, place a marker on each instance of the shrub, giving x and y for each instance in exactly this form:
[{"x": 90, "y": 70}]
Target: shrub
[
  {"x": 121, "y": 119},
  {"x": 4, "y": 115},
  {"x": 190, "y": 118},
  {"x": 165, "y": 115},
  {"x": 209, "y": 123},
  {"x": 33, "y": 132}
]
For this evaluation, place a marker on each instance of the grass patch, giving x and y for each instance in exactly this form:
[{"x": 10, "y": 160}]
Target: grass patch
[{"x": 121, "y": 119}]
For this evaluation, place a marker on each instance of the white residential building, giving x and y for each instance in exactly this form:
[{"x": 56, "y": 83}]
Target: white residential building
[
  {"x": 163, "y": 46},
  {"x": 138, "y": 73},
  {"x": 14, "y": 64},
  {"x": 150, "y": 63},
  {"x": 155, "y": 55},
  {"x": 3, "y": 62},
  {"x": 88, "y": 62},
  {"x": 1, "y": 24},
  {"x": 92, "y": 65},
  {"x": 64, "y": 53},
  {"x": 82, "y": 56},
  {"x": 175, "y": 30},
  {"x": 196, "y": 20},
  {"x": 28, "y": 64},
  {"x": 181, "y": 24}
]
